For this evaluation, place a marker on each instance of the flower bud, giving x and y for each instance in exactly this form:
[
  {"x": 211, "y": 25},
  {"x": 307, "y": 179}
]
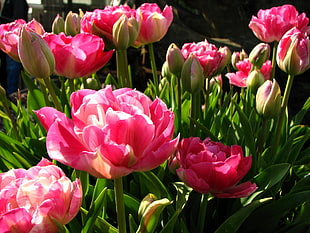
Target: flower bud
[
  {"x": 192, "y": 76},
  {"x": 72, "y": 24},
  {"x": 165, "y": 71},
  {"x": 238, "y": 56},
  {"x": 226, "y": 53},
  {"x": 175, "y": 59},
  {"x": 293, "y": 53},
  {"x": 255, "y": 80},
  {"x": 35, "y": 54},
  {"x": 125, "y": 32},
  {"x": 268, "y": 99},
  {"x": 151, "y": 214},
  {"x": 259, "y": 55},
  {"x": 58, "y": 25}
]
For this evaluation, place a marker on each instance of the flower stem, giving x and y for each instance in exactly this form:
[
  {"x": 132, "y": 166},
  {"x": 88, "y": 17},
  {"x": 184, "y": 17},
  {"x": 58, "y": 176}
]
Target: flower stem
[
  {"x": 122, "y": 68},
  {"x": 202, "y": 212},
  {"x": 120, "y": 208},
  {"x": 274, "y": 59},
  {"x": 47, "y": 82},
  {"x": 284, "y": 104},
  {"x": 154, "y": 69},
  {"x": 194, "y": 112}
]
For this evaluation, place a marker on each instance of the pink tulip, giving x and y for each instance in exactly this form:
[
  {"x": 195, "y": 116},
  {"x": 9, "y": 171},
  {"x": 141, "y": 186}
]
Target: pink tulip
[
  {"x": 9, "y": 35},
  {"x": 271, "y": 24},
  {"x": 293, "y": 53},
  {"x": 212, "y": 167},
  {"x": 77, "y": 56},
  {"x": 100, "y": 22},
  {"x": 212, "y": 59},
  {"x": 111, "y": 133},
  {"x": 154, "y": 23},
  {"x": 244, "y": 68},
  {"x": 37, "y": 199}
]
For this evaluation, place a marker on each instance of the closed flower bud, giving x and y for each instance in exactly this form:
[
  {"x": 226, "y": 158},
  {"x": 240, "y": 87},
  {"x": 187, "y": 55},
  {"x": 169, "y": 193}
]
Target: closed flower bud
[
  {"x": 268, "y": 99},
  {"x": 58, "y": 25},
  {"x": 192, "y": 76},
  {"x": 226, "y": 53},
  {"x": 72, "y": 24},
  {"x": 151, "y": 214},
  {"x": 165, "y": 71},
  {"x": 175, "y": 60},
  {"x": 35, "y": 54},
  {"x": 259, "y": 55},
  {"x": 125, "y": 32},
  {"x": 238, "y": 56},
  {"x": 293, "y": 53},
  {"x": 255, "y": 80}
]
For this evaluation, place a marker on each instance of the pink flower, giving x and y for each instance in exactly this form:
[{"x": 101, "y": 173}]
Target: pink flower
[
  {"x": 244, "y": 68},
  {"x": 100, "y": 22},
  {"x": 271, "y": 24},
  {"x": 111, "y": 133},
  {"x": 212, "y": 167},
  {"x": 293, "y": 53},
  {"x": 34, "y": 200},
  {"x": 154, "y": 22},
  {"x": 77, "y": 56},
  {"x": 9, "y": 35},
  {"x": 210, "y": 57}
]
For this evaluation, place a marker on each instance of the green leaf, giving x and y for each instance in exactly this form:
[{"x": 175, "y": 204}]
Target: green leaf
[{"x": 233, "y": 223}]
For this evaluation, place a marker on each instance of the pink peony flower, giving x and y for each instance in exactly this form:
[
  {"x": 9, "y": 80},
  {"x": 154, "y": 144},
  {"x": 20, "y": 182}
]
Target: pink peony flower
[
  {"x": 271, "y": 24},
  {"x": 34, "y": 200},
  {"x": 77, "y": 56},
  {"x": 111, "y": 133},
  {"x": 244, "y": 68},
  {"x": 154, "y": 23},
  {"x": 212, "y": 59},
  {"x": 9, "y": 35},
  {"x": 293, "y": 53},
  {"x": 212, "y": 167},
  {"x": 100, "y": 22}
]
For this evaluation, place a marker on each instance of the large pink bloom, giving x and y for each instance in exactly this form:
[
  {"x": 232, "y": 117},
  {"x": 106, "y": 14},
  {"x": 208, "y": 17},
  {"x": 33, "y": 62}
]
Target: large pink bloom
[
  {"x": 271, "y": 24},
  {"x": 293, "y": 53},
  {"x": 210, "y": 57},
  {"x": 34, "y": 200},
  {"x": 100, "y": 22},
  {"x": 212, "y": 167},
  {"x": 244, "y": 68},
  {"x": 77, "y": 56},
  {"x": 111, "y": 133},
  {"x": 9, "y": 35},
  {"x": 154, "y": 23}
]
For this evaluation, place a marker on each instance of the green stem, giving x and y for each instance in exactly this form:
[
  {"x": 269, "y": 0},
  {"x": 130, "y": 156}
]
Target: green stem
[
  {"x": 194, "y": 112},
  {"x": 179, "y": 112},
  {"x": 154, "y": 68},
  {"x": 202, "y": 212},
  {"x": 261, "y": 142},
  {"x": 284, "y": 104},
  {"x": 71, "y": 85},
  {"x": 274, "y": 59},
  {"x": 45, "y": 95},
  {"x": 122, "y": 68},
  {"x": 120, "y": 207},
  {"x": 47, "y": 82}
]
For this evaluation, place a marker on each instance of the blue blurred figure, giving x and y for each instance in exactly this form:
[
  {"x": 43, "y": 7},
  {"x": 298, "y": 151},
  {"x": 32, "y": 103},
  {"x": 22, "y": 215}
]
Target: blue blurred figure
[{"x": 12, "y": 10}]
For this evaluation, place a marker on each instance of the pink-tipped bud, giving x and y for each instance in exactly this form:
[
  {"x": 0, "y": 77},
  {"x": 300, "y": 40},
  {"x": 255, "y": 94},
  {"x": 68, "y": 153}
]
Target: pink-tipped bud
[
  {"x": 268, "y": 99},
  {"x": 58, "y": 25},
  {"x": 175, "y": 60},
  {"x": 72, "y": 24},
  {"x": 255, "y": 80},
  {"x": 259, "y": 55},
  {"x": 35, "y": 54}
]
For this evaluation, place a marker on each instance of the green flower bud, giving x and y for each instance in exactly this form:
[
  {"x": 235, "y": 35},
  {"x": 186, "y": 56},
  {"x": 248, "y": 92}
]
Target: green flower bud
[
  {"x": 175, "y": 60},
  {"x": 165, "y": 72},
  {"x": 125, "y": 32},
  {"x": 72, "y": 24},
  {"x": 255, "y": 80},
  {"x": 259, "y": 55},
  {"x": 268, "y": 99},
  {"x": 35, "y": 54},
  {"x": 151, "y": 210},
  {"x": 192, "y": 76},
  {"x": 58, "y": 25}
]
